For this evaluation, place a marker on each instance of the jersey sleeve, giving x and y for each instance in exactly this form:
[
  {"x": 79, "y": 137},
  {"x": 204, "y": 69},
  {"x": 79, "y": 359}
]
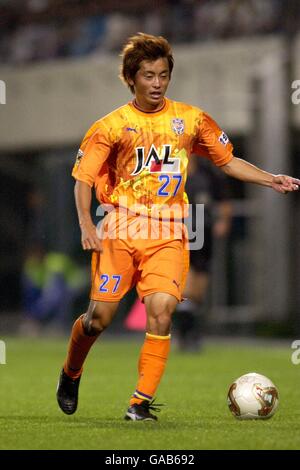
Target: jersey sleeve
[
  {"x": 94, "y": 151},
  {"x": 213, "y": 142}
]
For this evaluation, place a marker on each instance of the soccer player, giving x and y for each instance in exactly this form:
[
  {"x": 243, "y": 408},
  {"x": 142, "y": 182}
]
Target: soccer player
[{"x": 136, "y": 158}]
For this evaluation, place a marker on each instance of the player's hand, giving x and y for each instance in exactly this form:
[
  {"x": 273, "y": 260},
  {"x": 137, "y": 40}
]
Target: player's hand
[
  {"x": 285, "y": 184},
  {"x": 89, "y": 238}
]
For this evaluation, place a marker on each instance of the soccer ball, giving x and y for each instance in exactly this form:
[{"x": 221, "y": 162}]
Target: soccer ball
[{"x": 252, "y": 396}]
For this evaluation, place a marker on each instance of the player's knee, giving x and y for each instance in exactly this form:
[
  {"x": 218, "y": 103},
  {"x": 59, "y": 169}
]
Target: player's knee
[
  {"x": 164, "y": 322},
  {"x": 98, "y": 317},
  {"x": 91, "y": 327},
  {"x": 96, "y": 323},
  {"x": 164, "y": 307},
  {"x": 95, "y": 326},
  {"x": 161, "y": 312}
]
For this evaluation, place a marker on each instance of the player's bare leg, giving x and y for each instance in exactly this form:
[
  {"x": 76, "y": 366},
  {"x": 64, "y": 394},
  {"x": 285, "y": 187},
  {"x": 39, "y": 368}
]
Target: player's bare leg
[
  {"x": 160, "y": 308},
  {"x": 153, "y": 356},
  {"x": 86, "y": 330}
]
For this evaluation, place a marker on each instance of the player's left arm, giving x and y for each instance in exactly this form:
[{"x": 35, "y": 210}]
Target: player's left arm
[{"x": 245, "y": 171}]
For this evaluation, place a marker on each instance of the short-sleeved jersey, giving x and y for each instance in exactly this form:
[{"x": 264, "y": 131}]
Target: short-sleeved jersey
[{"x": 139, "y": 160}]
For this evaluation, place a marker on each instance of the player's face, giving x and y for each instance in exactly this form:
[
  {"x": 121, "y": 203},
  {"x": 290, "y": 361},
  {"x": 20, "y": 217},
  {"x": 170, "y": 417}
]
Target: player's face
[{"x": 151, "y": 83}]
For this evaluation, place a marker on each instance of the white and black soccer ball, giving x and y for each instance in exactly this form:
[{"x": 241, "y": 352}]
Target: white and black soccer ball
[{"x": 252, "y": 396}]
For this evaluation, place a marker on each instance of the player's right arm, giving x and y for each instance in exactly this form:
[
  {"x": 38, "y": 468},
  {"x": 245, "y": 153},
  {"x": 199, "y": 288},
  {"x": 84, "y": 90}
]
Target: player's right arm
[
  {"x": 91, "y": 157},
  {"x": 83, "y": 198}
]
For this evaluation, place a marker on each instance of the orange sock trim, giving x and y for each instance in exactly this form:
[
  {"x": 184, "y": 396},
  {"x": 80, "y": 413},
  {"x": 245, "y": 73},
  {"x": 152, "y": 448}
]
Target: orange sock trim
[
  {"x": 78, "y": 349},
  {"x": 151, "y": 366}
]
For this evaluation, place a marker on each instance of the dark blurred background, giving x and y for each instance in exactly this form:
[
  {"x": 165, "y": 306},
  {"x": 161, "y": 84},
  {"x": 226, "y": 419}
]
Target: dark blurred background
[{"x": 236, "y": 59}]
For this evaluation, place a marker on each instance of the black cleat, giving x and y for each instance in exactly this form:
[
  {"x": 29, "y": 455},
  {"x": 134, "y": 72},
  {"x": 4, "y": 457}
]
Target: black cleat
[
  {"x": 67, "y": 393},
  {"x": 141, "y": 411}
]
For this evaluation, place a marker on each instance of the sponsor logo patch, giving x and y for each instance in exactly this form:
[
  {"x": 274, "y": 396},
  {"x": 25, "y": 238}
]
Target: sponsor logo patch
[
  {"x": 79, "y": 157},
  {"x": 223, "y": 139}
]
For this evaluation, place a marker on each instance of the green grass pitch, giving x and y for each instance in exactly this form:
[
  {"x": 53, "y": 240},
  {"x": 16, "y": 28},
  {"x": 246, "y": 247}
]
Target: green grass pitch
[{"x": 194, "y": 390}]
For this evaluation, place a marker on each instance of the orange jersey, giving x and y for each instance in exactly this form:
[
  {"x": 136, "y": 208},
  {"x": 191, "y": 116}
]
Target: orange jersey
[{"x": 139, "y": 160}]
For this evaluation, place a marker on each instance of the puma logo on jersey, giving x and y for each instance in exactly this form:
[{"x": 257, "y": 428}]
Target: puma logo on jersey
[{"x": 154, "y": 162}]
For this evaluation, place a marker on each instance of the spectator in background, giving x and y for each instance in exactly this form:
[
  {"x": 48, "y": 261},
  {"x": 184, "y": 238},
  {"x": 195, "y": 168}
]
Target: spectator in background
[
  {"x": 205, "y": 186},
  {"x": 118, "y": 28},
  {"x": 51, "y": 282},
  {"x": 39, "y": 30}
]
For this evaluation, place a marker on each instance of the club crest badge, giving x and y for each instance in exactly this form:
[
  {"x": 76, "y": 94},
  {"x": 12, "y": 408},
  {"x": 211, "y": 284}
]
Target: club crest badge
[{"x": 177, "y": 126}]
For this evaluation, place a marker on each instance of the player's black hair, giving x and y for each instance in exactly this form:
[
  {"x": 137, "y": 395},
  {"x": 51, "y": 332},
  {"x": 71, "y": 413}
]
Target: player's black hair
[{"x": 143, "y": 47}]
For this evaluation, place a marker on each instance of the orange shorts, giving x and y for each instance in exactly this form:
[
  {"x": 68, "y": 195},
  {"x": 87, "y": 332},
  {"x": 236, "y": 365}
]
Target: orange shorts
[{"x": 150, "y": 265}]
